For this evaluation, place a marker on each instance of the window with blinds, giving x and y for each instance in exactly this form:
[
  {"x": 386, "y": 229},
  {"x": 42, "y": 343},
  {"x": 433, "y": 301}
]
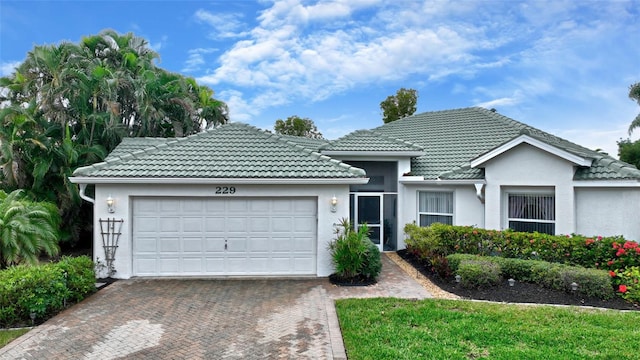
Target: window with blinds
[
  {"x": 435, "y": 207},
  {"x": 532, "y": 212}
]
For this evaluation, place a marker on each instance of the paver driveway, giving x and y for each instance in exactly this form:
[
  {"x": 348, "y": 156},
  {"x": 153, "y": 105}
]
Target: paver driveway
[{"x": 205, "y": 319}]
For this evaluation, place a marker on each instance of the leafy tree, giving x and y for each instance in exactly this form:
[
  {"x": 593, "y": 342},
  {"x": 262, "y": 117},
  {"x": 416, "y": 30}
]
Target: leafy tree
[
  {"x": 400, "y": 105},
  {"x": 297, "y": 126},
  {"x": 634, "y": 94},
  {"x": 27, "y": 228},
  {"x": 629, "y": 152},
  {"x": 69, "y": 105}
]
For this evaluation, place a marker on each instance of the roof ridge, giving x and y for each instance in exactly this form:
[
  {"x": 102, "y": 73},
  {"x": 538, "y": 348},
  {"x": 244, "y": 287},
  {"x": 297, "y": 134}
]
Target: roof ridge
[{"x": 398, "y": 140}]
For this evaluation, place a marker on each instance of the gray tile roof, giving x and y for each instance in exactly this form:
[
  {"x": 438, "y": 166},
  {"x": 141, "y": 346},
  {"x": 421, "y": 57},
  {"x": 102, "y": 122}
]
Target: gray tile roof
[
  {"x": 368, "y": 140},
  {"x": 129, "y": 145},
  {"x": 313, "y": 144},
  {"x": 230, "y": 151},
  {"x": 452, "y": 138}
]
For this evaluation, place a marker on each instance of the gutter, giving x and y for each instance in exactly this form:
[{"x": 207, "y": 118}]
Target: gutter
[{"x": 83, "y": 187}]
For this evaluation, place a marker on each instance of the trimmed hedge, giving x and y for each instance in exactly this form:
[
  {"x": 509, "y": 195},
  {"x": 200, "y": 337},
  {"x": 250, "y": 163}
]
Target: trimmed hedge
[
  {"x": 44, "y": 289},
  {"x": 598, "y": 252},
  {"x": 591, "y": 282}
]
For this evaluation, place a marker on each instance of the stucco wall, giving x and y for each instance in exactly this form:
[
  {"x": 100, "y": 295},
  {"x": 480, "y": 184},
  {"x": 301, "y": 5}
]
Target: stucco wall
[
  {"x": 123, "y": 198},
  {"x": 528, "y": 168},
  {"x": 608, "y": 212},
  {"x": 467, "y": 208}
]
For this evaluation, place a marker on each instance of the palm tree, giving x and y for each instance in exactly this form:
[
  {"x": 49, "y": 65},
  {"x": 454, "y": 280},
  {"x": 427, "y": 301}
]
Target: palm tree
[
  {"x": 27, "y": 229},
  {"x": 634, "y": 94}
]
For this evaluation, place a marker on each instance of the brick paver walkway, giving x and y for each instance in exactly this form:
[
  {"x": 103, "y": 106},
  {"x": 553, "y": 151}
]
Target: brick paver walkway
[{"x": 205, "y": 319}]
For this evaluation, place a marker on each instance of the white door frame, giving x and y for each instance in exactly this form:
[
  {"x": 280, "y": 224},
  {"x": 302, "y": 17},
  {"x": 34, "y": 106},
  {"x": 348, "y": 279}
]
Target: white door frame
[{"x": 380, "y": 225}]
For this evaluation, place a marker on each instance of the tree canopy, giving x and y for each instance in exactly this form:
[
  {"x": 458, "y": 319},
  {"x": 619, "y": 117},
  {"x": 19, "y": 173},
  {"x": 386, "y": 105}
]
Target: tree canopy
[
  {"x": 629, "y": 152},
  {"x": 400, "y": 105},
  {"x": 297, "y": 126},
  {"x": 69, "y": 105}
]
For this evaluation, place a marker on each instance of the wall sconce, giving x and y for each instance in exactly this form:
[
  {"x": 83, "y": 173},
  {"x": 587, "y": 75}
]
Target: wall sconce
[
  {"x": 110, "y": 204},
  {"x": 334, "y": 203}
]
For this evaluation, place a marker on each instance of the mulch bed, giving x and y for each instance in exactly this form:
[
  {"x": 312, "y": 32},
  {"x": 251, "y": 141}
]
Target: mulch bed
[
  {"x": 519, "y": 293},
  {"x": 352, "y": 281}
]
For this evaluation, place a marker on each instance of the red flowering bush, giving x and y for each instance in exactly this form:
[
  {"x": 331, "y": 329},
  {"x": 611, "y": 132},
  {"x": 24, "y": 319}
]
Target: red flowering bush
[{"x": 626, "y": 281}]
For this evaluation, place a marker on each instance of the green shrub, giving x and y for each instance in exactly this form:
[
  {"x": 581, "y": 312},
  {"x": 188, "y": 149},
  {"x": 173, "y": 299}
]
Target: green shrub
[
  {"x": 373, "y": 264},
  {"x": 353, "y": 253},
  {"x": 627, "y": 283},
  {"x": 80, "y": 276},
  {"x": 479, "y": 273},
  {"x": 591, "y": 282},
  {"x": 42, "y": 290}
]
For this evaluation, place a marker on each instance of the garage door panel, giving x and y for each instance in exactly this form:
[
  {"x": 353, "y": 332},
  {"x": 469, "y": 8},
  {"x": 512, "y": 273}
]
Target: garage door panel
[
  {"x": 215, "y": 224},
  {"x": 192, "y": 224},
  {"x": 192, "y": 245},
  {"x": 169, "y": 206},
  {"x": 304, "y": 225},
  {"x": 236, "y": 224},
  {"x": 259, "y": 224},
  {"x": 264, "y": 236},
  {"x": 169, "y": 245},
  {"x": 169, "y": 224},
  {"x": 258, "y": 244},
  {"x": 214, "y": 244}
]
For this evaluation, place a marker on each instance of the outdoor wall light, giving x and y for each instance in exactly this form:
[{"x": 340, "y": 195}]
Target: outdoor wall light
[
  {"x": 574, "y": 286},
  {"x": 511, "y": 282},
  {"x": 110, "y": 204},
  {"x": 334, "y": 203}
]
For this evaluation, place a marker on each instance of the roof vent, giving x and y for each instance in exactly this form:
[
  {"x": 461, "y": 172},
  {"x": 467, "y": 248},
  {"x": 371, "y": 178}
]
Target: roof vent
[{"x": 493, "y": 110}]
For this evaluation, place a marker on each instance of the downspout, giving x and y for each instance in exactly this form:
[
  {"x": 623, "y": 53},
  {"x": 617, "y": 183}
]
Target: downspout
[
  {"x": 479, "y": 194},
  {"x": 85, "y": 197}
]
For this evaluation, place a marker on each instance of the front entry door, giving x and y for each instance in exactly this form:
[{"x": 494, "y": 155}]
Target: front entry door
[{"x": 368, "y": 210}]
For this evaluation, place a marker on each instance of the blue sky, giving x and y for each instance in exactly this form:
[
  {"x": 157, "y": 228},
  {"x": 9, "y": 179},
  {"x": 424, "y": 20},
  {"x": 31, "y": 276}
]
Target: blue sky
[{"x": 562, "y": 66}]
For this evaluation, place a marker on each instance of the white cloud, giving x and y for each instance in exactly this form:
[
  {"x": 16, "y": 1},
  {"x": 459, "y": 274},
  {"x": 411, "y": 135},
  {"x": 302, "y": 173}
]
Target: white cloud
[
  {"x": 7, "y": 68},
  {"x": 225, "y": 25},
  {"x": 196, "y": 59},
  {"x": 157, "y": 46}
]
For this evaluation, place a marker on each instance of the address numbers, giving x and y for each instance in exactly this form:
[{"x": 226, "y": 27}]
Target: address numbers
[{"x": 225, "y": 190}]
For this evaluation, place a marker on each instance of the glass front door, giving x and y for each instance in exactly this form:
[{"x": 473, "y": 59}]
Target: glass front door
[{"x": 368, "y": 210}]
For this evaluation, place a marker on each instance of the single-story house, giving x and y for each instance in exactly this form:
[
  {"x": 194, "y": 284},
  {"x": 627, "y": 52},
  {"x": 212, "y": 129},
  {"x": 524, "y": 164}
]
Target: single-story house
[{"x": 237, "y": 200}]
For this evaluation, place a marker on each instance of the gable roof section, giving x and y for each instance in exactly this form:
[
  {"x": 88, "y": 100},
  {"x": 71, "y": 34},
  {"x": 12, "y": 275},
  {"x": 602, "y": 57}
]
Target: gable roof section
[
  {"x": 231, "y": 151},
  {"x": 542, "y": 145},
  {"x": 452, "y": 139},
  {"x": 368, "y": 142},
  {"x": 129, "y": 145}
]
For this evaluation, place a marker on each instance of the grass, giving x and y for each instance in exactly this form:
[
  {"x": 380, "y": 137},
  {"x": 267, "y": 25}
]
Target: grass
[
  {"x": 7, "y": 335},
  {"x": 452, "y": 329}
]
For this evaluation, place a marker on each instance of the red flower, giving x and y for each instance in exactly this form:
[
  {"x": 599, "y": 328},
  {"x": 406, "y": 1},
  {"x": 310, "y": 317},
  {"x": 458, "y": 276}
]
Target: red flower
[
  {"x": 622, "y": 288},
  {"x": 475, "y": 232},
  {"x": 613, "y": 274},
  {"x": 532, "y": 241},
  {"x": 638, "y": 250},
  {"x": 599, "y": 238},
  {"x": 620, "y": 252},
  {"x": 589, "y": 242},
  {"x": 615, "y": 245},
  {"x": 630, "y": 245},
  {"x": 610, "y": 262}
]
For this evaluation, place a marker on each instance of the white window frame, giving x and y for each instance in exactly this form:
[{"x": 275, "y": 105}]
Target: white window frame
[
  {"x": 534, "y": 192},
  {"x": 453, "y": 202}
]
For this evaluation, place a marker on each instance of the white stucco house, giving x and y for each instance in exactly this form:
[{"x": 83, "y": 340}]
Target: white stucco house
[{"x": 236, "y": 200}]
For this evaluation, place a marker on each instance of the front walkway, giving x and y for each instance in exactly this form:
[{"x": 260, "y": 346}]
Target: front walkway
[{"x": 206, "y": 319}]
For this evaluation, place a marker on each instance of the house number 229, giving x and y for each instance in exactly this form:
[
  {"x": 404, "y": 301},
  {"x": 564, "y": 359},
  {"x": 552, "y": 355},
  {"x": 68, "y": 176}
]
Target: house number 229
[{"x": 225, "y": 190}]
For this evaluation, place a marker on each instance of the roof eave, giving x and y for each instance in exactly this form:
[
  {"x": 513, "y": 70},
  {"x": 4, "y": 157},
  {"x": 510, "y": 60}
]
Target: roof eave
[
  {"x": 606, "y": 183},
  {"x": 420, "y": 180},
  {"x": 372, "y": 153},
  {"x": 525, "y": 139},
  {"x": 206, "y": 181}
]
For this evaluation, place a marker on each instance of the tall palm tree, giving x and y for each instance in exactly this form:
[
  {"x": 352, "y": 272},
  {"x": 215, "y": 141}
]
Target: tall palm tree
[
  {"x": 27, "y": 229},
  {"x": 634, "y": 94}
]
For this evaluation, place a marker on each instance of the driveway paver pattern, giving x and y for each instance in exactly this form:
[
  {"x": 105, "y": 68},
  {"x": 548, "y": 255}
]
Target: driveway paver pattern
[{"x": 206, "y": 319}]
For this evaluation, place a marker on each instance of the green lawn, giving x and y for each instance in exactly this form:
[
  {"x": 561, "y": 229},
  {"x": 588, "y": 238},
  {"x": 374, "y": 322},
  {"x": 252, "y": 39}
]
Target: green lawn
[
  {"x": 7, "y": 335},
  {"x": 453, "y": 329}
]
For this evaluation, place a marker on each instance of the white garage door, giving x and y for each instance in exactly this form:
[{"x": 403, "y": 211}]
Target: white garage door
[{"x": 224, "y": 236}]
